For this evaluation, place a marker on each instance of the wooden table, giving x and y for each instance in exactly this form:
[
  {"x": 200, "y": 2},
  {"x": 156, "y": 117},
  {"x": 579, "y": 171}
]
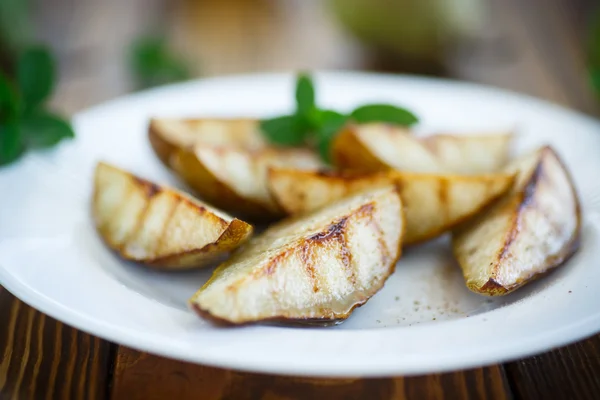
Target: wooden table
[{"x": 43, "y": 358}]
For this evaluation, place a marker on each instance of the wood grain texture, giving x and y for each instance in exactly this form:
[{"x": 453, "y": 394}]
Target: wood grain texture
[
  {"x": 533, "y": 47},
  {"x": 555, "y": 34},
  {"x": 144, "y": 376},
  {"x": 572, "y": 372},
  {"x": 44, "y": 359}
]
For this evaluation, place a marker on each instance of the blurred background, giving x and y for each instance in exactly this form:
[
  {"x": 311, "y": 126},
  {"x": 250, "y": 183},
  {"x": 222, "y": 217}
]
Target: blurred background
[{"x": 103, "y": 49}]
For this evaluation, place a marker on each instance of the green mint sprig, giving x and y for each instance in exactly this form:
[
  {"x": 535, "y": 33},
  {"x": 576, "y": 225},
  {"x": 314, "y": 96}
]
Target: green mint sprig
[
  {"x": 594, "y": 52},
  {"x": 152, "y": 63},
  {"x": 313, "y": 126},
  {"x": 25, "y": 123}
]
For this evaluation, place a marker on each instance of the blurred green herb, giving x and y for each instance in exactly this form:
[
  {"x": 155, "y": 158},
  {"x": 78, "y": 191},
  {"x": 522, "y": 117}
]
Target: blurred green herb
[
  {"x": 286, "y": 130},
  {"x": 16, "y": 29},
  {"x": 25, "y": 123},
  {"x": 594, "y": 52},
  {"x": 311, "y": 125},
  {"x": 384, "y": 112},
  {"x": 153, "y": 64},
  {"x": 330, "y": 123}
]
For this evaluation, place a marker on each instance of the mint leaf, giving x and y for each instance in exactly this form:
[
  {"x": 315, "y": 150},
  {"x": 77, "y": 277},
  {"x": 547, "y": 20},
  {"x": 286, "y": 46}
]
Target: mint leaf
[
  {"x": 594, "y": 52},
  {"x": 314, "y": 127},
  {"x": 331, "y": 122},
  {"x": 288, "y": 130},
  {"x": 595, "y": 78},
  {"x": 42, "y": 129},
  {"x": 305, "y": 95},
  {"x": 11, "y": 145},
  {"x": 9, "y": 101},
  {"x": 384, "y": 113},
  {"x": 153, "y": 64},
  {"x": 35, "y": 76}
]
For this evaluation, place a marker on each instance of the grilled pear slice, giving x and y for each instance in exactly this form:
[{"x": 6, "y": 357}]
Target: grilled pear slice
[
  {"x": 433, "y": 204},
  {"x": 470, "y": 154},
  {"x": 235, "y": 179},
  {"x": 159, "y": 226},
  {"x": 530, "y": 231},
  {"x": 379, "y": 147},
  {"x": 313, "y": 268},
  {"x": 167, "y": 135}
]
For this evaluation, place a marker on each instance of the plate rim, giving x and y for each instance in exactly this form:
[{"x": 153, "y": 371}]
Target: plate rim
[
  {"x": 582, "y": 329},
  {"x": 537, "y": 344}
]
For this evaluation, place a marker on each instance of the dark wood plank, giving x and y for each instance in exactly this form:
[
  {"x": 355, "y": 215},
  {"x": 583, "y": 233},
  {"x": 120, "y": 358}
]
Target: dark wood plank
[
  {"x": 572, "y": 372},
  {"x": 556, "y": 34},
  {"x": 144, "y": 376},
  {"x": 45, "y": 359}
]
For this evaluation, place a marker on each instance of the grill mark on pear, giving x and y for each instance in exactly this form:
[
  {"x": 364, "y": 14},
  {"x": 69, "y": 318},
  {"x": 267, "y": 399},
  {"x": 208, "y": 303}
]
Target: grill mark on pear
[
  {"x": 346, "y": 257},
  {"x": 307, "y": 249},
  {"x": 138, "y": 225},
  {"x": 442, "y": 195},
  {"x": 525, "y": 199},
  {"x": 385, "y": 251},
  {"x": 335, "y": 232},
  {"x": 119, "y": 209},
  {"x": 163, "y": 230},
  {"x": 306, "y": 256},
  {"x": 151, "y": 189}
]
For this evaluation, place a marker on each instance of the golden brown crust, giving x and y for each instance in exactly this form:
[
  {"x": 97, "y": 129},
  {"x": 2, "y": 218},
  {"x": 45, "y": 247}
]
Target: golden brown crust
[
  {"x": 349, "y": 153},
  {"x": 521, "y": 202},
  {"x": 162, "y": 148},
  {"x": 238, "y": 132},
  {"x": 213, "y": 190},
  {"x": 296, "y": 198},
  {"x": 377, "y": 147},
  {"x": 325, "y": 321},
  {"x": 334, "y": 232},
  {"x": 491, "y": 286},
  {"x": 526, "y": 200},
  {"x": 233, "y": 233},
  {"x": 456, "y": 222},
  {"x": 333, "y": 318}
]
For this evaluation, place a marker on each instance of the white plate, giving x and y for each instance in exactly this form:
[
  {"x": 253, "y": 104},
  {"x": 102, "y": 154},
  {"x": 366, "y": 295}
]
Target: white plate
[{"x": 423, "y": 321}]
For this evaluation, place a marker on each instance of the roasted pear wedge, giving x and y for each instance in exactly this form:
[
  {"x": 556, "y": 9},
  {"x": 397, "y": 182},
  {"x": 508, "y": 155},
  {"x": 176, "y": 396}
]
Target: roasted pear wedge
[
  {"x": 167, "y": 135},
  {"x": 159, "y": 226},
  {"x": 470, "y": 154},
  {"x": 379, "y": 147},
  {"x": 235, "y": 179},
  {"x": 530, "y": 231},
  {"x": 314, "y": 268},
  {"x": 433, "y": 204}
]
